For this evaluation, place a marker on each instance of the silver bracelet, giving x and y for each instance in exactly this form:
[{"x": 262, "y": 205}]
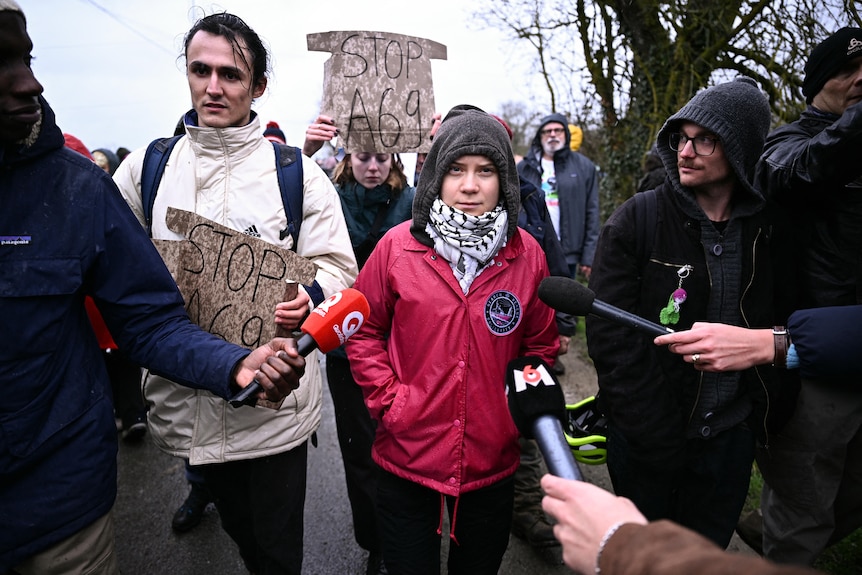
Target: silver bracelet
[{"x": 608, "y": 534}]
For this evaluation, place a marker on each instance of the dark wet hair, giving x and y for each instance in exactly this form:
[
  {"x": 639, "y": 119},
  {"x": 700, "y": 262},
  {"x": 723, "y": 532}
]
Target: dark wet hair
[{"x": 234, "y": 29}]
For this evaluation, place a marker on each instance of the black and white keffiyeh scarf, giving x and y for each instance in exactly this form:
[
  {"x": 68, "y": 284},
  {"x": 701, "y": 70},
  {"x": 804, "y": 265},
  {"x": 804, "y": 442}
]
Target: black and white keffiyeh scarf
[{"x": 468, "y": 243}]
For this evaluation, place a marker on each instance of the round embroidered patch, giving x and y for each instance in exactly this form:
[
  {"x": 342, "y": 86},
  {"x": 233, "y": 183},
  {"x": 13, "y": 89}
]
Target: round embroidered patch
[{"x": 502, "y": 312}]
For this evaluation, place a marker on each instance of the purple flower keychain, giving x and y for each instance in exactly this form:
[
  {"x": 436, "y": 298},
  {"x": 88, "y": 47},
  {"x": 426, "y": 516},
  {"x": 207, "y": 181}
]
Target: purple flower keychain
[{"x": 669, "y": 315}]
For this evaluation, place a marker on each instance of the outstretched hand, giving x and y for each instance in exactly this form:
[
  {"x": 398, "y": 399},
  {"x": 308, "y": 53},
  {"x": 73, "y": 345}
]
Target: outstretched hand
[
  {"x": 276, "y": 365},
  {"x": 584, "y": 513},
  {"x": 721, "y": 347}
]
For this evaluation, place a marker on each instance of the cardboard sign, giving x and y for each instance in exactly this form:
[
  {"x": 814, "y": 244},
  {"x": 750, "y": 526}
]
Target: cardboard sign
[
  {"x": 231, "y": 282},
  {"x": 377, "y": 86}
]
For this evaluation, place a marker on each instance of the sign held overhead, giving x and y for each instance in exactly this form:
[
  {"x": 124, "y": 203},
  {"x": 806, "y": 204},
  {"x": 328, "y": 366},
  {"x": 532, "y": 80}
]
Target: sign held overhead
[{"x": 377, "y": 86}]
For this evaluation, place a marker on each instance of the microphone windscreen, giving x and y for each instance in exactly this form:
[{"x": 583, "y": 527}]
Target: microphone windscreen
[
  {"x": 533, "y": 391},
  {"x": 566, "y": 295},
  {"x": 336, "y": 319}
]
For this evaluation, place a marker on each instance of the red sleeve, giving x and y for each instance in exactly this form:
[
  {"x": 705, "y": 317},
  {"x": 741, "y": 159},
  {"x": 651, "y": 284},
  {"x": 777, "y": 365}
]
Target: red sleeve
[{"x": 103, "y": 336}]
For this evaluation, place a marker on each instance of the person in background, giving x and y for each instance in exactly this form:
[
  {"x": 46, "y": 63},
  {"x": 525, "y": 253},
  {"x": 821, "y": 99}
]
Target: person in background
[
  {"x": 106, "y": 159},
  {"x": 603, "y": 533},
  {"x": 125, "y": 376},
  {"x": 653, "y": 171},
  {"x": 812, "y": 496},
  {"x": 570, "y": 183},
  {"x": 244, "y": 452},
  {"x": 122, "y": 153},
  {"x": 680, "y": 441},
  {"x": 273, "y": 133},
  {"x": 453, "y": 297},
  {"x": 375, "y": 197},
  {"x": 67, "y": 234}
]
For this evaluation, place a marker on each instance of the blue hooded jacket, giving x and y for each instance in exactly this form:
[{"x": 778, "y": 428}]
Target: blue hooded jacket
[{"x": 65, "y": 232}]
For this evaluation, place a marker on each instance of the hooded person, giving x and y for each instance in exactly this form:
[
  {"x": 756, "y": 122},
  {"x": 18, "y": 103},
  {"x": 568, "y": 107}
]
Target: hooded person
[
  {"x": 697, "y": 248},
  {"x": 67, "y": 234},
  {"x": 106, "y": 159},
  {"x": 570, "y": 183},
  {"x": 454, "y": 297}
]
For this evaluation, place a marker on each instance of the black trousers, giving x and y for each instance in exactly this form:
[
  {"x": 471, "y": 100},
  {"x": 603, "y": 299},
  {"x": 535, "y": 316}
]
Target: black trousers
[
  {"x": 410, "y": 515},
  {"x": 704, "y": 489},
  {"x": 261, "y": 505},
  {"x": 355, "y": 429}
]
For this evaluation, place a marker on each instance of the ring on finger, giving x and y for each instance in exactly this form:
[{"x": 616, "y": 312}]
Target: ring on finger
[{"x": 695, "y": 358}]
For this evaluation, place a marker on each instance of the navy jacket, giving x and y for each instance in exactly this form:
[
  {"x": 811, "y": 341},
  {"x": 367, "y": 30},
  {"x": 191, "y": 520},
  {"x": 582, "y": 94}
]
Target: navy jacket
[
  {"x": 65, "y": 232},
  {"x": 827, "y": 341}
]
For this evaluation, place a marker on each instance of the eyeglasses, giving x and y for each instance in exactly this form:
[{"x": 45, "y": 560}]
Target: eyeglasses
[
  {"x": 702, "y": 145},
  {"x": 550, "y": 131}
]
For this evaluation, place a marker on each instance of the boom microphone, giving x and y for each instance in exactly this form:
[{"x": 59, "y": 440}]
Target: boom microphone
[
  {"x": 327, "y": 327},
  {"x": 538, "y": 407},
  {"x": 567, "y": 295}
]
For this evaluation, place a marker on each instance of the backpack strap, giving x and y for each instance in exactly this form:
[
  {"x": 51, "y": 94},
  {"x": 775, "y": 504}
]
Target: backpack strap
[
  {"x": 155, "y": 159},
  {"x": 646, "y": 220},
  {"x": 288, "y": 162}
]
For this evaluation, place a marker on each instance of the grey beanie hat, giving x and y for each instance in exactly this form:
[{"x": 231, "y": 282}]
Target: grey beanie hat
[
  {"x": 738, "y": 113},
  {"x": 466, "y": 131}
]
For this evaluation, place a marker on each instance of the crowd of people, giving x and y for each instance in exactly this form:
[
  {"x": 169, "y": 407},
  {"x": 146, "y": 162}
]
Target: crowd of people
[{"x": 747, "y": 245}]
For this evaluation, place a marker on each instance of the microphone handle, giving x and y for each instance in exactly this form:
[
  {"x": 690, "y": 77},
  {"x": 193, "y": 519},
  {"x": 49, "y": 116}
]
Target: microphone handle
[
  {"x": 615, "y": 314},
  {"x": 248, "y": 395},
  {"x": 557, "y": 453}
]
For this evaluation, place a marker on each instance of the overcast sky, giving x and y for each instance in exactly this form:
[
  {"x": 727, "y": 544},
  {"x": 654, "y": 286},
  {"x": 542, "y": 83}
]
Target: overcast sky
[{"x": 111, "y": 71}]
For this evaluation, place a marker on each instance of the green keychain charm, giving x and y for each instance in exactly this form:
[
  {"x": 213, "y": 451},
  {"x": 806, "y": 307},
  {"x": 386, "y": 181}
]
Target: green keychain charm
[{"x": 669, "y": 314}]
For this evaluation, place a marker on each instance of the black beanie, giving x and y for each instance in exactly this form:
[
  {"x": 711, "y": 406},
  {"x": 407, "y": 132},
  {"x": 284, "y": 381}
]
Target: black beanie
[
  {"x": 828, "y": 57},
  {"x": 737, "y": 112},
  {"x": 274, "y": 133}
]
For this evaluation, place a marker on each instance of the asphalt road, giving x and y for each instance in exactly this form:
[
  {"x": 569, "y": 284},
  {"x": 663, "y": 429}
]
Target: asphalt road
[{"x": 152, "y": 486}]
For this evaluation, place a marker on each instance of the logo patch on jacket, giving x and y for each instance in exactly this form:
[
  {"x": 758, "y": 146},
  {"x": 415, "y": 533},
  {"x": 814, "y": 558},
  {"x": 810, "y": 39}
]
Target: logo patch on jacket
[
  {"x": 502, "y": 312},
  {"x": 14, "y": 240}
]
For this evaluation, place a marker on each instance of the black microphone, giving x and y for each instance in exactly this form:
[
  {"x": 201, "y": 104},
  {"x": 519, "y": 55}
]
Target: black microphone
[
  {"x": 538, "y": 409},
  {"x": 569, "y": 296},
  {"x": 327, "y": 327}
]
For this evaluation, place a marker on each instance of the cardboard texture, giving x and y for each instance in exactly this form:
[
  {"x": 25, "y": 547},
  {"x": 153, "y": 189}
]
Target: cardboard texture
[
  {"x": 231, "y": 282},
  {"x": 377, "y": 86}
]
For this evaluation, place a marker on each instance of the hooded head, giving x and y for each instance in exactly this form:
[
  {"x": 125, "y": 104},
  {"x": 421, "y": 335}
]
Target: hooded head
[
  {"x": 466, "y": 131},
  {"x": 106, "y": 159},
  {"x": 828, "y": 58},
  {"x": 74, "y": 143},
  {"x": 738, "y": 113},
  {"x": 566, "y": 136}
]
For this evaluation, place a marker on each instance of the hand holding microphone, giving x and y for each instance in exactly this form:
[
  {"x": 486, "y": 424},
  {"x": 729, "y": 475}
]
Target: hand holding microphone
[
  {"x": 538, "y": 409},
  {"x": 567, "y": 295},
  {"x": 327, "y": 327}
]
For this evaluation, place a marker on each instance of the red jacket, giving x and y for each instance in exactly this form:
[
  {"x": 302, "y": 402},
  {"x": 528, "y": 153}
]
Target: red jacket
[{"x": 431, "y": 361}]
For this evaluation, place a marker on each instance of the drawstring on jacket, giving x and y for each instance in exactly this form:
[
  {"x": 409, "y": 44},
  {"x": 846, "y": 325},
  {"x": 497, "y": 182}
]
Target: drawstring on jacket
[{"x": 454, "y": 518}]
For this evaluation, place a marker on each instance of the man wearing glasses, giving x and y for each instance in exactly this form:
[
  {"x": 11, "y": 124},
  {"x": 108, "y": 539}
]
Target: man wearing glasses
[
  {"x": 681, "y": 440},
  {"x": 570, "y": 183}
]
